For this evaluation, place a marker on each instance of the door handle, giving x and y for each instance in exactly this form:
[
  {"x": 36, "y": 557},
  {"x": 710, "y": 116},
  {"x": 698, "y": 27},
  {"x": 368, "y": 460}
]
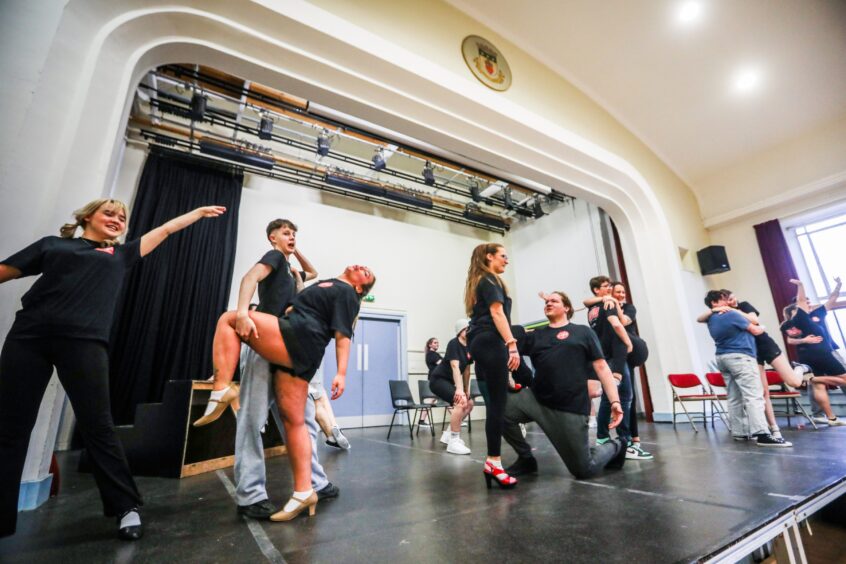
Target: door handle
[
  {"x": 366, "y": 357},
  {"x": 358, "y": 357}
]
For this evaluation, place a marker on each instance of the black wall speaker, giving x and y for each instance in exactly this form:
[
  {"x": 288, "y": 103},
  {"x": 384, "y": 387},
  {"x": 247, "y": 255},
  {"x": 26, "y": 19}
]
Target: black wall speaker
[{"x": 713, "y": 260}]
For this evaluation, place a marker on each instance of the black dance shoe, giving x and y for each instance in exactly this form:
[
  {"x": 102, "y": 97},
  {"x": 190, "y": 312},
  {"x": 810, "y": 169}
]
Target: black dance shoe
[
  {"x": 261, "y": 510},
  {"x": 328, "y": 491},
  {"x": 524, "y": 465},
  {"x": 132, "y": 532}
]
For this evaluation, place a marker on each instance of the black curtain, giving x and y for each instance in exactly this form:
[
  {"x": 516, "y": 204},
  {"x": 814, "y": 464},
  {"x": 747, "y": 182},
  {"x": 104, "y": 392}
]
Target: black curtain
[{"x": 171, "y": 301}]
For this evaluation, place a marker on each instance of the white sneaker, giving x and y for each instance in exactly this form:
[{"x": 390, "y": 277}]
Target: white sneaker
[
  {"x": 464, "y": 424},
  {"x": 445, "y": 436},
  {"x": 457, "y": 446},
  {"x": 836, "y": 422},
  {"x": 592, "y": 422},
  {"x": 425, "y": 424},
  {"x": 821, "y": 420},
  {"x": 523, "y": 429}
]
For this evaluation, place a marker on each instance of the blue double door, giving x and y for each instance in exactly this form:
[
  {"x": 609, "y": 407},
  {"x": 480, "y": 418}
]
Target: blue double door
[{"x": 375, "y": 358}]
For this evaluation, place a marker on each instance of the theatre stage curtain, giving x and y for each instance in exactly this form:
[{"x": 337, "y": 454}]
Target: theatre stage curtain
[{"x": 778, "y": 265}]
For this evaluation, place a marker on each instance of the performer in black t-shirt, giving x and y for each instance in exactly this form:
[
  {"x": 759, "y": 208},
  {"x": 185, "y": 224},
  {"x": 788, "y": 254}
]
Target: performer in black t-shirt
[
  {"x": 492, "y": 345},
  {"x": 565, "y": 357},
  {"x": 65, "y": 323},
  {"x": 804, "y": 326},
  {"x": 277, "y": 285},
  {"x": 433, "y": 359},
  {"x": 450, "y": 381},
  {"x": 295, "y": 344}
]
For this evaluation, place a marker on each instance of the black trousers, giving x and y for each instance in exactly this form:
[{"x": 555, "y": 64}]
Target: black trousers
[
  {"x": 26, "y": 366},
  {"x": 491, "y": 357}
]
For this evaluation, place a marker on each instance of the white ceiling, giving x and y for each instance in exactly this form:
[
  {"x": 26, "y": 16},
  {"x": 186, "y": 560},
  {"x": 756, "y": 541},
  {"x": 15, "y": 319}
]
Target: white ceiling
[{"x": 671, "y": 83}]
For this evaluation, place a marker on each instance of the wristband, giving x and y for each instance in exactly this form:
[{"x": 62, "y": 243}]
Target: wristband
[{"x": 511, "y": 341}]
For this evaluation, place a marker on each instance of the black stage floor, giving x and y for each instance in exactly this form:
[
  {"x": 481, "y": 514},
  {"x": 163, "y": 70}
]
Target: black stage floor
[{"x": 412, "y": 502}]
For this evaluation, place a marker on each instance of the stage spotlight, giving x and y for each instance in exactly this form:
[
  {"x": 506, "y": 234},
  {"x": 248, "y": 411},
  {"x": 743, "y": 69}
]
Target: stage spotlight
[
  {"x": 323, "y": 143},
  {"x": 509, "y": 201},
  {"x": 379, "y": 160},
  {"x": 428, "y": 174},
  {"x": 198, "y": 106},
  {"x": 537, "y": 208},
  {"x": 475, "y": 191},
  {"x": 265, "y": 128}
]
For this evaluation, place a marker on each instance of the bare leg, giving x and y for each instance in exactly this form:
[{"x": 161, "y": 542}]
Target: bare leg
[
  {"x": 291, "y": 395},
  {"x": 459, "y": 412},
  {"x": 226, "y": 347},
  {"x": 324, "y": 415},
  {"x": 821, "y": 397},
  {"x": 768, "y": 405}
]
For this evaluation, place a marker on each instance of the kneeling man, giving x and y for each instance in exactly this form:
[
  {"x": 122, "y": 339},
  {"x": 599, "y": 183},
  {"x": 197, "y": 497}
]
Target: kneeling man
[{"x": 565, "y": 357}]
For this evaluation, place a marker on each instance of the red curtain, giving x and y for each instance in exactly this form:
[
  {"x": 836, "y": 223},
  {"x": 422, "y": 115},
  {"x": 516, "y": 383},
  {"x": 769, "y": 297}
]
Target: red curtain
[{"x": 778, "y": 264}]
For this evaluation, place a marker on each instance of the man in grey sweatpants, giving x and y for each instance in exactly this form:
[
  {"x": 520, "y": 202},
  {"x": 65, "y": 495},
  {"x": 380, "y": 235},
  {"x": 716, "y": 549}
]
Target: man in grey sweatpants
[
  {"x": 250, "y": 475},
  {"x": 565, "y": 357}
]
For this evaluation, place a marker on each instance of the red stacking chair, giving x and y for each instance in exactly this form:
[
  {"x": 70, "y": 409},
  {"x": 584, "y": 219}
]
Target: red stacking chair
[
  {"x": 687, "y": 382},
  {"x": 718, "y": 388},
  {"x": 790, "y": 397}
]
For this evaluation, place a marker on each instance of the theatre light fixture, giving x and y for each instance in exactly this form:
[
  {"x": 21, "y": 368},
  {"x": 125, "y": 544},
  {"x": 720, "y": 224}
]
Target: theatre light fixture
[
  {"x": 198, "y": 106},
  {"x": 379, "y": 160},
  {"x": 265, "y": 128},
  {"x": 428, "y": 174},
  {"x": 323, "y": 143}
]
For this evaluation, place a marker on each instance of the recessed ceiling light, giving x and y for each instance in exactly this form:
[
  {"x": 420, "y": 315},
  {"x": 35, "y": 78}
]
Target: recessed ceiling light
[
  {"x": 688, "y": 12},
  {"x": 747, "y": 80}
]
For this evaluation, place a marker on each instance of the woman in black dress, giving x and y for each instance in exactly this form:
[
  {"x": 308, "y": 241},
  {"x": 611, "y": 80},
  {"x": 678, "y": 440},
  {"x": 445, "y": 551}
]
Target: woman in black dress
[
  {"x": 294, "y": 344},
  {"x": 65, "y": 323}
]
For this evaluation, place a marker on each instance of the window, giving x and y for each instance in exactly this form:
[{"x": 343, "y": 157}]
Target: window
[{"x": 821, "y": 245}]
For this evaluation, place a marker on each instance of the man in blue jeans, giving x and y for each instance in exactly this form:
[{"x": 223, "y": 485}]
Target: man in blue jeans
[{"x": 734, "y": 337}]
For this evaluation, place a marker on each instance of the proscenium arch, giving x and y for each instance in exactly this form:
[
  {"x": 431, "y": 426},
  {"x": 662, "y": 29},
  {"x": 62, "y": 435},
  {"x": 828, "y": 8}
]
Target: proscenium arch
[{"x": 435, "y": 106}]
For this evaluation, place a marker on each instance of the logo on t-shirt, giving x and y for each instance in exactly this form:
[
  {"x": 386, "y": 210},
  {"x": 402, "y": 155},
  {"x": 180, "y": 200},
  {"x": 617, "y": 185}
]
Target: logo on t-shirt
[
  {"x": 593, "y": 313},
  {"x": 793, "y": 332},
  {"x": 326, "y": 284},
  {"x": 107, "y": 250},
  {"x": 562, "y": 335},
  {"x": 815, "y": 319}
]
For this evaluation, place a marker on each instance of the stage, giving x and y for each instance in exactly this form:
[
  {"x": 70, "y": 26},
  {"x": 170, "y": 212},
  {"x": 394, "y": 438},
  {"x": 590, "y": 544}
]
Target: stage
[{"x": 703, "y": 497}]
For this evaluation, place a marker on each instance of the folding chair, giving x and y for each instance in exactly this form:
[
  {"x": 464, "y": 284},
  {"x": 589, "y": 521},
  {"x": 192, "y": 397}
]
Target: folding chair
[
  {"x": 688, "y": 382},
  {"x": 425, "y": 392},
  {"x": 790, "y": 397},
  {"x": 403, "y": 401},
  {"x": 717, "y": 383}
]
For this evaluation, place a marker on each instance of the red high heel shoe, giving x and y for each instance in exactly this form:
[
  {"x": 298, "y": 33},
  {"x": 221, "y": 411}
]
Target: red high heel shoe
[{"x": 502, "y": 478}]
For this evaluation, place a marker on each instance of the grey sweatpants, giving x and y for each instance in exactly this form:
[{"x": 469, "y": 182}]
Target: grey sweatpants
[
  {"x": 256, "y": 398},
  {"x": 744, "y": 394},
  {"x": 568, "y": 433}
]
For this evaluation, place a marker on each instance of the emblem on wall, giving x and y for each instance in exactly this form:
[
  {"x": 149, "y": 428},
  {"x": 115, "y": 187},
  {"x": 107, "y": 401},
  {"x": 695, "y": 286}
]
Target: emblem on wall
[{"x": 486, "y": 62}]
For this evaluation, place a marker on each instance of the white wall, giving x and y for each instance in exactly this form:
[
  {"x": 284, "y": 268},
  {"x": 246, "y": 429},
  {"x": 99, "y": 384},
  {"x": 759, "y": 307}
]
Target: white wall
[{"x": 560, "y": 252}]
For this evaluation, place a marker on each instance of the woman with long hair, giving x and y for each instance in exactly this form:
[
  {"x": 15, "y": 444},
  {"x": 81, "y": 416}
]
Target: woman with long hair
[
  {"x": 295, "y": 344},
  {"x": 492, "y": 346},
  {"x": 65, "y": 323}
]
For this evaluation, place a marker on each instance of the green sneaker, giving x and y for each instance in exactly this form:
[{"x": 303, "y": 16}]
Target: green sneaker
[
  {"x": 636, "y": 452},
  {"x": 602, "y": 441}
]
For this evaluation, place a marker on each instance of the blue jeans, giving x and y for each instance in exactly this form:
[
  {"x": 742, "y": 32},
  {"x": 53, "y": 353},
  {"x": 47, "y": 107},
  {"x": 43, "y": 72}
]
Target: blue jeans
[
  {"x": 256, "y": 398},
  {"x": 603, "y": 416}
]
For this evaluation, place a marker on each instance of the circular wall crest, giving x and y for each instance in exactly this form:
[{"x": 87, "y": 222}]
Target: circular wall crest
[{"x": 486, "y": 62}]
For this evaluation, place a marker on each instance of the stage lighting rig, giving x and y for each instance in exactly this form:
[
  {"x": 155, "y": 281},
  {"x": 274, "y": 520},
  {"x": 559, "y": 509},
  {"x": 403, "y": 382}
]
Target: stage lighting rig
[
  {"x": 265, "y": 128},
  {"x": 428, "y": 174},
  {"x": 323, "y": 143}
]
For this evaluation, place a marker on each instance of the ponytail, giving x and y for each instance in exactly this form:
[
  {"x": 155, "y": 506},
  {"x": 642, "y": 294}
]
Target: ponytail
[{"x": 68, "y": 229}]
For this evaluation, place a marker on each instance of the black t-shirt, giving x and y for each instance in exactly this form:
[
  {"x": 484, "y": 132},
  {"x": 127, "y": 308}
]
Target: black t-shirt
[
  {"x": 78, "y": 289},
  {"x": 432, "y": 360},
  {"x": 813, "y": 323},
  {"x": 746, "y": 307},
  {"x": 277, "y": 290},
  {"x": 455, "y": 351},
  {"x": 630, "y": 311},
  {"x": 563, "y": 358},
  {"x": 319, "y": 311},
  {"x": 488, "y": 292}
]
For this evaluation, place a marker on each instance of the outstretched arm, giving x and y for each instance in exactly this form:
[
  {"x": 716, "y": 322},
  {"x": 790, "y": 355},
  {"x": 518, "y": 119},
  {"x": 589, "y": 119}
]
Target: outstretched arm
[
  {"x": 831, "y": 303},
  {"x": 801, "y": 299},
  {"x": 308, "y": 268},
  {"x": 8, "y": 273},
  {"x": 155, "y": 237}
]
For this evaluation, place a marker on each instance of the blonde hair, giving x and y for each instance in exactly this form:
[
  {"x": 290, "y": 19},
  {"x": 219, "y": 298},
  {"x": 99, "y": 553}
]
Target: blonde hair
[
  {"x": 68, "y": 230},
  {"x": 479, "y": 269}
]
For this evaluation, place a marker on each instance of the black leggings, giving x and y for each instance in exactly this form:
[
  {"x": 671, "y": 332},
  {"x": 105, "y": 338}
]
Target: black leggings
[
  {"x": 491, "y": 357},
  {"x": 26, "y": 366}
]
